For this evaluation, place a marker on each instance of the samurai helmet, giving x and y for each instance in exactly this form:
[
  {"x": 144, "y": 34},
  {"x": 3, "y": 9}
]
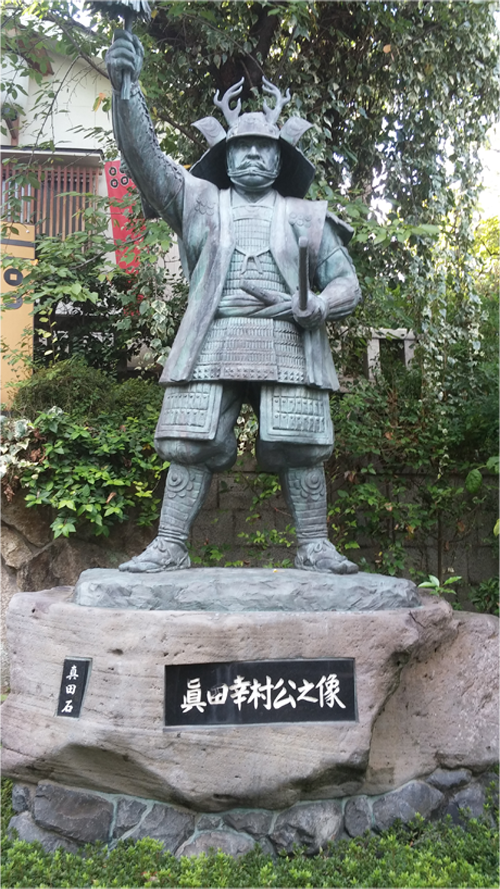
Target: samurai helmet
[{"x": 296, "y": 172}]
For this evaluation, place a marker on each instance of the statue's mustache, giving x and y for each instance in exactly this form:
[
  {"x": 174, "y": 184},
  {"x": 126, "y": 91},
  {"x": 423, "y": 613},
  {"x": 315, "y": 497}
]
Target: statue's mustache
[{"x": 252, "y": 165}]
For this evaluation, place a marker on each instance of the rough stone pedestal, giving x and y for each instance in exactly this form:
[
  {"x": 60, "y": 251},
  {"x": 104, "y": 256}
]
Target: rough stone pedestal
[
  {"x": 120, "y": 745},
  {"x": 427, "y": 697}
]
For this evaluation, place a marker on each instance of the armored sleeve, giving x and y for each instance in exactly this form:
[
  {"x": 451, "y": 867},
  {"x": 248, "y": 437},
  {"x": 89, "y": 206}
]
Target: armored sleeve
[
  {"x": 161, "y": 181},
  {"x": 335, "y": 276}
]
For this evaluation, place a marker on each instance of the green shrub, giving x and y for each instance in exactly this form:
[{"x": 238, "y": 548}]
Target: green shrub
[
  {"x": 70, "y": 385},
  {"x": 136, "y": 397},
  {"x": 485, "y": 596},
  {"x": 87, "y": 472},
  {"x": 84, "y": 392}
]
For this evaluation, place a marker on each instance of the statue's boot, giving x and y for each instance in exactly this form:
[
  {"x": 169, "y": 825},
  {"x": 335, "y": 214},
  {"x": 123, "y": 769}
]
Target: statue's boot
[
  {"x": 185, "y": 492},
  {"x": 305, "y": 494}
]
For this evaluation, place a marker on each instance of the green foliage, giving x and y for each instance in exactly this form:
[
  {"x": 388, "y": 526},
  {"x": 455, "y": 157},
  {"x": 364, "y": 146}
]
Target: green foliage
[
  {"x": 436, "y": 588},
  {"x": 16, "y": 435},
  {"x": 86, "y": 306},
  {"x": 85, "y": 393},
  {"x": 91, "y": 463},
  {"x": 487, "y": 253},
  {"x": 135, "y": 397},
  {"x": 484, "y": 596},
  {"x": 395, "y": 475},
  {"x": 93, "y": 474},
  {"x": 70, "y": 385},
  {"x": 6, "y": 804},
  {"x": 474, "y": 479}
]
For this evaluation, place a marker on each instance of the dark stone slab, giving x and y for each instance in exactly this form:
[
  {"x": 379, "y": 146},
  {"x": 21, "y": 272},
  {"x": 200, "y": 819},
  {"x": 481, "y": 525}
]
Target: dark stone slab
[
  {"x": 83, "y": 817},
  {"x": 243, "y": 589},
  {"x": 253, "y": 821},
  {"x": 310, "y": 826},
  {"x": 171, "y": 826},
  {"x": 128, "y": 813},
  {"x": 466, "y": 803},
  {"x": 21, "y": 797},
  {"x": 231, "y": 843},
  {"x": 445, "y": 779},
  {"x": 74, "y": 678},
  {"x": 208, "y": 822},
  {"x": 292, "y": 690},
  {"x": 27, "y": 830},
  {"x": 414, "y": 798},
  {"x": 357, "y": 816}
]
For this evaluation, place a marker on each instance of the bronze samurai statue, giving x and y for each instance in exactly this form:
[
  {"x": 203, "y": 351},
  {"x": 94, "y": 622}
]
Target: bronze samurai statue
[{"x": 266, "y": 270}]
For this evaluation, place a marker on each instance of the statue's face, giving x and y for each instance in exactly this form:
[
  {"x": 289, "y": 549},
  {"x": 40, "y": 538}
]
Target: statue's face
[{"x": 253, "y": 162}]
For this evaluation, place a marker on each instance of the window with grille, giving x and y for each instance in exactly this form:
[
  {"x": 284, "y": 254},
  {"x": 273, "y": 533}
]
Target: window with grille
[{"x": 56, "y": 206}]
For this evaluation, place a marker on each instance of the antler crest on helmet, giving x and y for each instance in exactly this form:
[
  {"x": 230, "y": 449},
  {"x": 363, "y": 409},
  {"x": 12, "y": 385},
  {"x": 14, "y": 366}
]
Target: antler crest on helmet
[
  {"x": 272, "y": 114},
  {"x": 231, "y": 114},
  {"x": 296, "y": 172}
]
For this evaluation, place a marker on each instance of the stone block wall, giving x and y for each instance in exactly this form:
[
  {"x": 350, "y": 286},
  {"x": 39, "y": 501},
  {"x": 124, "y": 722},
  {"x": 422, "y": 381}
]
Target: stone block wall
[{"x": 67, "y": 818}]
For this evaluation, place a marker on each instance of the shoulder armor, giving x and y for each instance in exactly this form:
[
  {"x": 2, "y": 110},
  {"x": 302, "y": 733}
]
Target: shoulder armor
[{"x": 343, "y": 229}]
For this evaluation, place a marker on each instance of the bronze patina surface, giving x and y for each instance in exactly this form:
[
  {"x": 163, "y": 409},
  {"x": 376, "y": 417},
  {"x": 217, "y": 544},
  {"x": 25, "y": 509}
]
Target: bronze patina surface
[{"x": 266, "y": 270}]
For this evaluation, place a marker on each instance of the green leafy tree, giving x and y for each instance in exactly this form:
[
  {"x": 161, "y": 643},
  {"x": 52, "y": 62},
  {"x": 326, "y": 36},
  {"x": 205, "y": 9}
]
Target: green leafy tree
[{"x": 401, "y": 94}]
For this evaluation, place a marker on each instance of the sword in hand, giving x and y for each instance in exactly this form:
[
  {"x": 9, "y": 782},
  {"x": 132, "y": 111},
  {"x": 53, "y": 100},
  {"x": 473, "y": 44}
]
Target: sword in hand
[{"x": 303, "y": 273}]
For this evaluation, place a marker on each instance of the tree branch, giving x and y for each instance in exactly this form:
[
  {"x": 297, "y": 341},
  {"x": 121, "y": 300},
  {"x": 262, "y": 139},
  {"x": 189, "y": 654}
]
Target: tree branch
[
  {"x": 80, "y": 51},
  {"x": 178, "y": 126}
]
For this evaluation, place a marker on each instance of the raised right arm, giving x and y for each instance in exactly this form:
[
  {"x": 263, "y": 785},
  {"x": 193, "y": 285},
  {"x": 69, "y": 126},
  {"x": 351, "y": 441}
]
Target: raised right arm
[{"x": 159, "y": 179}]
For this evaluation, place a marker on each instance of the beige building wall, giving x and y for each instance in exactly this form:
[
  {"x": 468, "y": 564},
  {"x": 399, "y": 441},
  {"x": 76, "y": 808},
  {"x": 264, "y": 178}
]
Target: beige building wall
[
  {"x": 62, "y": 119},
  {"x": 16, "y": 317}
]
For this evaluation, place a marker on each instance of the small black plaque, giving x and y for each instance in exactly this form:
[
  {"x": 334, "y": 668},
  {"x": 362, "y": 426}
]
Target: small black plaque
[
  {"x": 249, "y": 692},
  {"x": 73, "y": 684}
]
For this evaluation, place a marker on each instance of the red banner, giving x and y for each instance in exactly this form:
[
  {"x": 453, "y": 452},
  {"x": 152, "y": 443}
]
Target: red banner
[{"x": 119, "y": 186}]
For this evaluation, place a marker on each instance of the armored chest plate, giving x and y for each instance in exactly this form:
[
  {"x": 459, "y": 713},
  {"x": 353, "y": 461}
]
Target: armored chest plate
[
  {"x": 252, "y": 261},
  {"x": 255, "y": 349}
]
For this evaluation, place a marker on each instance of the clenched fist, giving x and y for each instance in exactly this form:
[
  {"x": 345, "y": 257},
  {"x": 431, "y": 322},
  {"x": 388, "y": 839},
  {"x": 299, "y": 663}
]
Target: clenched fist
[
  {"x": 124, "y": 56},
  {"x": 315, "y": 313}
]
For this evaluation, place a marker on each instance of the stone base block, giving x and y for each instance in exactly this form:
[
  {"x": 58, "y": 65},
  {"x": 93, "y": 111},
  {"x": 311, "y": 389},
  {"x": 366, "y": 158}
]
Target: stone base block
[
  {"x": 426, "y": 686},
  {"x": 244, "y": 589},
  {"x": 61, "y": 817}
]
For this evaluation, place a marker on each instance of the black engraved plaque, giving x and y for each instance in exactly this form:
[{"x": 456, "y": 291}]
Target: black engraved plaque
[
  {"x": 250, "y": 692},
  {"x": 73, "y": 684}
]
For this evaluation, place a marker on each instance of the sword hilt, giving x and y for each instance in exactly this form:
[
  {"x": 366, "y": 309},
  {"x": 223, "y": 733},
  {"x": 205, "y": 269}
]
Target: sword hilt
[{"x": 303, "y": 273}]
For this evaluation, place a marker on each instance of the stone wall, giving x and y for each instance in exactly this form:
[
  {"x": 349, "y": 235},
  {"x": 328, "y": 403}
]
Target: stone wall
[{"x": 62, "y": 817}]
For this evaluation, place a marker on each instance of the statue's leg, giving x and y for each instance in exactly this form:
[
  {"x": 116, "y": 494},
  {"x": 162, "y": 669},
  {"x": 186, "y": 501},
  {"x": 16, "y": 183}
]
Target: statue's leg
[
  {"x": 305, "y": 493},
  {"x": 302, "y": 478},
  {"x": 185, "y": 492},
  {"x": 188, "y": 481}
]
